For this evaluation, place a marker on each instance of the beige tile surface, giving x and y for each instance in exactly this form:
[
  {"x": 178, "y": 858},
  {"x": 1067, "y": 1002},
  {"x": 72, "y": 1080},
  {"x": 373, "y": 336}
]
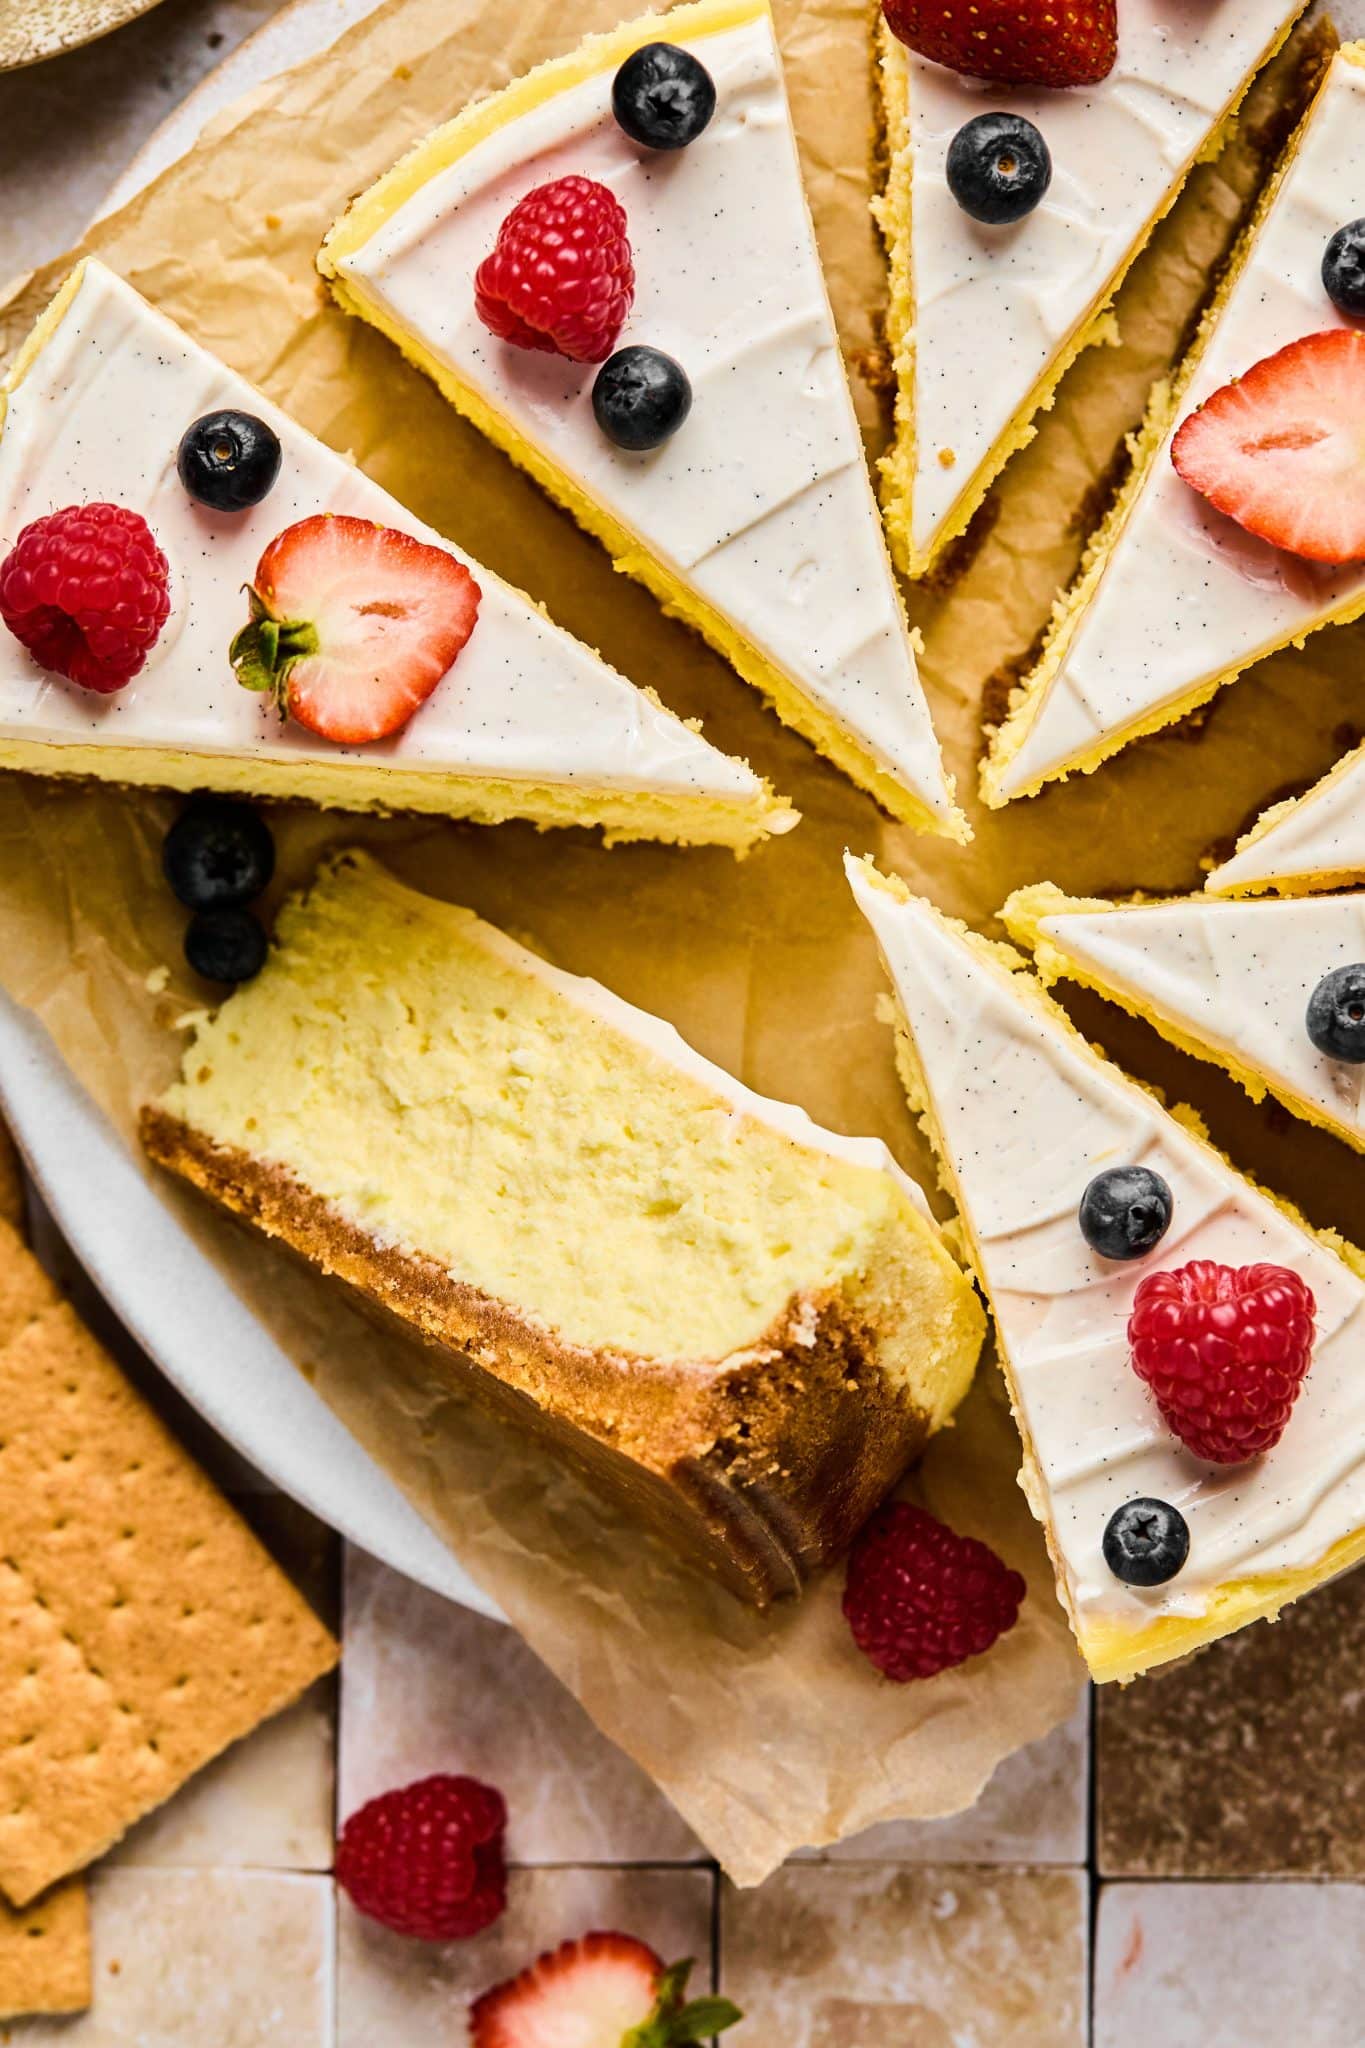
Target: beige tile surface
[
  {"x": 1230, "y": 1966},
  {"x": 265, "y": 1805},
  {"x": 838, "y": 1956},
  {"x": 428, "y": 1687},
  {"x": 1249, "y": 1760},
  {"x": 393, "y": 1993},
  {"x": 1033, "y": 1811},
  {"x": 204, "y": 1959}
]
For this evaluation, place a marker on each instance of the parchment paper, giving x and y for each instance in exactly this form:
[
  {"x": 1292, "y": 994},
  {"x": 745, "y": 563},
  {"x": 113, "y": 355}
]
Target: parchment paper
[{"x": 767, "y": 1733}]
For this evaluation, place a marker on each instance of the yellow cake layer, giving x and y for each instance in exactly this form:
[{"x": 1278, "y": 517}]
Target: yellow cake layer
[
  {"x": 1144, "y": 447},
  {"x": 1113, "y": 1651},
  {"x": 449, "y": 1095},
  {"x": 629, "y": 553},
  {"x": 893, "y": 211},
  {"x": 346, "y": 786}
]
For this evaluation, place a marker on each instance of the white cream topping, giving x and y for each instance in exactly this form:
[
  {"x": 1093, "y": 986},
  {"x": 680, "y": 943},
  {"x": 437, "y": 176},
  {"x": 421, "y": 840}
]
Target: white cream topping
[
  {"x": 1186, "y": 594},
  {"x": 1322, "y": 834},
  {"x": 762, "y": 502},
  {"x": 1236, "y": 976},
  {"x": 1028, "y": 1114},
  {"x": 99, "y": 415},
  {"x": 994, "y": 306}
]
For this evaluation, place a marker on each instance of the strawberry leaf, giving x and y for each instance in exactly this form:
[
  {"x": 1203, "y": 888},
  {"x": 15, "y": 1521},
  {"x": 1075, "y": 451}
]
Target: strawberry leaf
[
  {"x": 673, "y": 2024},
  {"x": 266, "y": 648}
]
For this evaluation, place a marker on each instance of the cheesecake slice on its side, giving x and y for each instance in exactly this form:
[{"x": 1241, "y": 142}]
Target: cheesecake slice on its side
[
  {"x": 985, "y": 321},
  {"x": 1022, "y": 1114},
  {"x": 527, "y": 723},
  {"x": 1228, "y": 982},
  {"x": 1175, "y": 599},
  {"x": 756, "y": 522},
  {"x": 741, "y": 1324},
  {"x": 1311, "y": 842}
]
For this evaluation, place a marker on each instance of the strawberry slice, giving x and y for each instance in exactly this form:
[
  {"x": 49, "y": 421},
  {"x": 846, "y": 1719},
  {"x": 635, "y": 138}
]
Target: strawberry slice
[
  {"x": 353, "y": 625},
  {"x": 1282, "y": 450},
  {"x": 601, "y": 1991},
  {"x": 1012, "y": 42}
]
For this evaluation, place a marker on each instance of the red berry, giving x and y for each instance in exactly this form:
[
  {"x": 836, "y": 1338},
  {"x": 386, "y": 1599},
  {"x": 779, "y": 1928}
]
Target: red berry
[
  {"x": 87, "y": 590},
  {"x": 1224, "y": 1350},
  {"x": 353, "y": 625},
  {"x": 1012, "y": 42},
  {"x": 427, "y": 1861},
  {"x": 1279, "y": 450},
  {"x": 601, "y": 1991},
  {"x": 919, "y": 1598},
  {"x": 561, "y": 277}
]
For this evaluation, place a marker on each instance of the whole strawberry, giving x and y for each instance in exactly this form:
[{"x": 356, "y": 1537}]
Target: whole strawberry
[
  {"x": 601, "y": 1991},
  {"x": 1224, "y": 1350},
  {"x": 427, "y": 1861},
  {"x": 1012, "y": 42},
  {"x": 87, "y": 591},
  {"x": 919, "y": 1598},
  {"x": 561, "y": 278}
]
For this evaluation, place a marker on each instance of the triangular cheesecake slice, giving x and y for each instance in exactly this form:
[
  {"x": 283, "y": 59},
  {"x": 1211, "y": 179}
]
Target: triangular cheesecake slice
[
  {"x": 1175, "y": 599},
  {"x": 985, "y": 321},
  {"x": 526, "y": 723},
  {"x": 742, "y": 1324},
  {"x": 1023, "y": 1113},
  {"x": 1314, "y": 841},
  {"x": 756, "y": 522},
  {"x": 1229, "y": 982}
]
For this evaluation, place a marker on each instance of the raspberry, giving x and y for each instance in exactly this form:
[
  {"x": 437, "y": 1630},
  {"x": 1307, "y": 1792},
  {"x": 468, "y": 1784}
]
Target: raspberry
[
  {"x": 919, "y": 1598},
  {"x": 427, "y": 1860},
  {"x": 87, "y": 591},
  {"x": 561, "y": 277},
  {"x": 1224, "y": 1350}
]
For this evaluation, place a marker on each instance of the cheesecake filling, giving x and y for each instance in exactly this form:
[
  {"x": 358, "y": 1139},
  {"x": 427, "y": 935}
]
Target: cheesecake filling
[
  {"x": 95, "y": 409},
  {"x": 1023, "y": 1113},
  {"x": 761, "y": 507},
  {"x": 455, "y": 1096}
]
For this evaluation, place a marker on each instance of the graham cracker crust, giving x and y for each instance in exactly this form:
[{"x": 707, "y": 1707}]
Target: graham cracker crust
[{"x": 758, "y": 1467}]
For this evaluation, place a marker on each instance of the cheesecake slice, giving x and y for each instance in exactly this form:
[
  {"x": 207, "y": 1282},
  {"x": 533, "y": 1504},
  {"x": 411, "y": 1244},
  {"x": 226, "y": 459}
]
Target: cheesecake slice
[
  {"x": 1174, "y": 599},
  {"x": 1229, "y": 982},
  {"x": 756, "y": 522},
  {"x": 1315, "y": 841},
  {"x": 1022, "y": 1113},
  {"x": 526, "y": 723},
  {"x": 985, "y": 321},
  {"x": 742, "y": 1324}
]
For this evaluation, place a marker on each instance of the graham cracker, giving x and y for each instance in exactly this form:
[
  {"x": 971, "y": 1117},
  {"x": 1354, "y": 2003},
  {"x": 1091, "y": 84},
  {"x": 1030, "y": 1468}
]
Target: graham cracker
[
  {"x": 25, "y": 1290},
  {"x": 142, "y": 1626},
  {"x": 45, "y": 1954}
]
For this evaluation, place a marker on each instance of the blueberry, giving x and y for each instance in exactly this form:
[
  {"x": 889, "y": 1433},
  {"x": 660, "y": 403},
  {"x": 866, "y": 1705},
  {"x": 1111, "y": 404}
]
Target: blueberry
[
  {"x": 218, "y": 855},
  {"x": 1126, "y": 1212},
  {"x": 225, "y": 945},
  {"x": 1146, "y": 1542},
  {"x": 1336, "y": 1015},
  {"x": 1343, "y": 269},
  {"x": 641, "y": 397},
  {"x": 228, "y": 460},
  {"x": 998, "y": 168},
  {"x": 663, "y": 97}
]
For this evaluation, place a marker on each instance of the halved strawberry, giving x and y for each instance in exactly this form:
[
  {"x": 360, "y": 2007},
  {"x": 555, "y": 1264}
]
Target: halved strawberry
[
  {"x": 601, "y": 1991},
  {"x": 353, "y": 625},
  {"x": 1012, "y": 42},
  {"x": 1282, "y": 449}
]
